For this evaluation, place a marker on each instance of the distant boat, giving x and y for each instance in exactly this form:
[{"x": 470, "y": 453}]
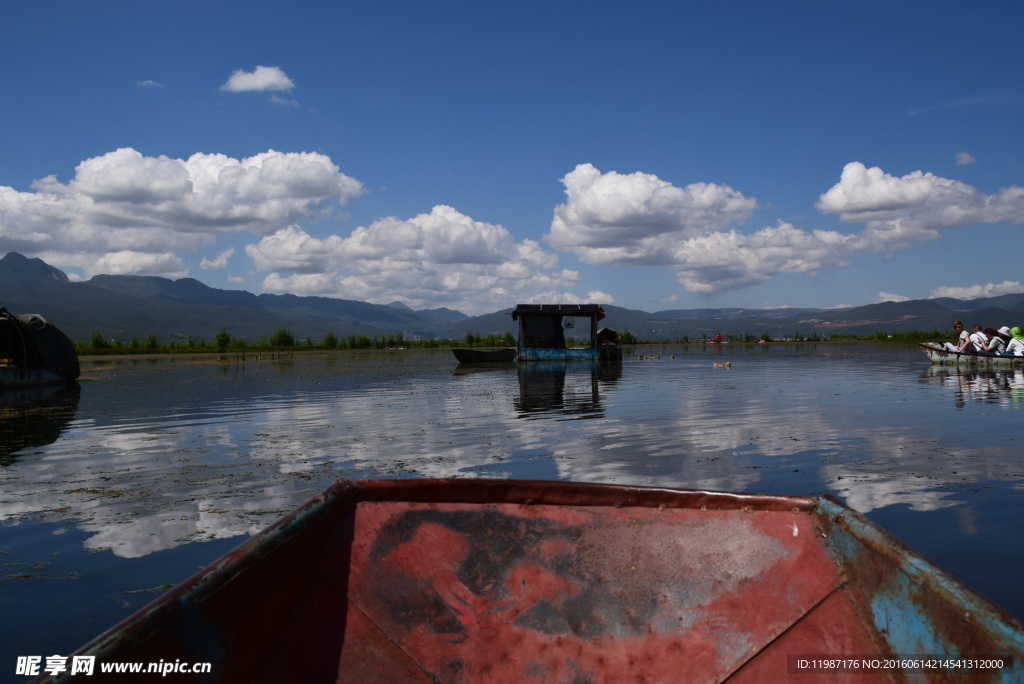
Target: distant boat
[
  {"x": 485, "y": 355},
  {"x": 34, "y": 352},
  {"x": 470, "y": 580},
  {"x": 943, "y": 357}
]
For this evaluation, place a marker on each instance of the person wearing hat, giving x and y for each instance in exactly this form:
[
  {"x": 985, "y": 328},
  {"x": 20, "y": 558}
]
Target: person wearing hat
[
  {"x": 1004, "y": 332},
  {"x": 1016, "y": 345}
]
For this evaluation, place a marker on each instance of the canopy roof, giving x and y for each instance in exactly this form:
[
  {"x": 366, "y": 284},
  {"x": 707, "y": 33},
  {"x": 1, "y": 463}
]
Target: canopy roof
[{"x": 588, "y": 310}]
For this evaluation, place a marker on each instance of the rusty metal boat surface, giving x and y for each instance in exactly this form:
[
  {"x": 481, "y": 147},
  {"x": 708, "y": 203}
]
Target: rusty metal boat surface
[{"x": 529, "y": 581}]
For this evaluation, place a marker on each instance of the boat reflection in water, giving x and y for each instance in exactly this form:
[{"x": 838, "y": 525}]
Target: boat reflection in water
[
  {"x": 1003, "y": 387},
  {"x": 31, "y": 417},
  {"x": 565, "y": 388}
]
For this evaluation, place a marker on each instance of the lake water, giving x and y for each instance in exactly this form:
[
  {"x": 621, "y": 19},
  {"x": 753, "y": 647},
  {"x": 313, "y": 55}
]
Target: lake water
[{"x": 154, "y": 467}]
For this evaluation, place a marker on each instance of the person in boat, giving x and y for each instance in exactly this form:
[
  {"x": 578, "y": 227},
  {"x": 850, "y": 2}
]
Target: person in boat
[
  {"x": 996, "y": 344},
  {"x": 963, "y": 341},
  {"x": 1016, "y": 344},
  {"x": 978, "y": 338}
]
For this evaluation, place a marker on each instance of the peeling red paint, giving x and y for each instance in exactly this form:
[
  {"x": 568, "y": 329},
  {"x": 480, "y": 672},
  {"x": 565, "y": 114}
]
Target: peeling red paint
[{"x": 505, "y": 581}]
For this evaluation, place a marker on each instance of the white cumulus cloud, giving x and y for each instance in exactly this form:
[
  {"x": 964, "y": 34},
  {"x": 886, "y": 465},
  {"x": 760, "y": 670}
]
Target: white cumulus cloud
[
  {"x": 979, "y": 291},
  {"x": 259, "y": 79},
  {"x": 902, "y": 211},
  {"x": 641, "y": 219},
  {"x": 443, "y": 258},
  {"x": 129, "y": 262},
  {"x": 124, "y": 207},
  {"x": 732, "y": 260},
  {"x": 217, "y": 263},
  {"x": 638, "y": 217}
]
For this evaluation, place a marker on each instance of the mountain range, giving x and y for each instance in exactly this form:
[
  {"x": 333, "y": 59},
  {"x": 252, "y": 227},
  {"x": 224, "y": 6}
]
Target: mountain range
[{"x": 126, "y": 306}]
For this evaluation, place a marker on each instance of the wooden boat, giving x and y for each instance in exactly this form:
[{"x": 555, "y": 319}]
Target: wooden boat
[
  {"x": 519, "y": 581},
  {"x": 485, "y": 355},
  {"x": 941, "y": 356}
]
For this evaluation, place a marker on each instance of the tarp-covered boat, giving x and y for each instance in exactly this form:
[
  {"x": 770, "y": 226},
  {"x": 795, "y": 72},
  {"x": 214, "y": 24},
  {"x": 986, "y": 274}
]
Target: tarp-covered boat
[
  {"x": 513, "y": 581},
  {"x": 943, "y": 357},
  {"x": 468, "y": 355},
  {"x": 34, "y": 352}
]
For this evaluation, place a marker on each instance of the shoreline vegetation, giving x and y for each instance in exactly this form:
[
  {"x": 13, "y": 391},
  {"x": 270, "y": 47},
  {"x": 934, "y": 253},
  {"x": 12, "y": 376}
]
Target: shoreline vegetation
[{"x": 284, "y": 340}]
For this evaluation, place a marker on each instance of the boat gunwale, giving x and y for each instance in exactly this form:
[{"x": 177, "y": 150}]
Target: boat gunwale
[{"x": 971, "y": 605}]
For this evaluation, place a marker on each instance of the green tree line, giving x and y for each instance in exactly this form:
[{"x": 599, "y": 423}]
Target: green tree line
[
  {"x": 280, "y": 339},
  {"x": 283, "y": 338},
  {"x": 899, "y": 337}
]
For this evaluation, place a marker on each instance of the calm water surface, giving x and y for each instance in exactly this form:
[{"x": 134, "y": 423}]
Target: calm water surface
[{"x": 152, "y": 468}]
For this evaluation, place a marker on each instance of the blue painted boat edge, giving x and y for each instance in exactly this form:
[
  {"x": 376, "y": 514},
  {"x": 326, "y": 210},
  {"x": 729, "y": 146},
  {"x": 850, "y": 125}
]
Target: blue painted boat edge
[
  {"x": 894, "y": 608},
  {"x": 557, "y": 354}
]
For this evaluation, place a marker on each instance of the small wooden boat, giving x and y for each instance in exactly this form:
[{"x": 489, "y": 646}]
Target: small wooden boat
[
  {"x": 941, "y": 356},
  {"x": 485, "y": 355},
  {"x": 524, "y": 581}
]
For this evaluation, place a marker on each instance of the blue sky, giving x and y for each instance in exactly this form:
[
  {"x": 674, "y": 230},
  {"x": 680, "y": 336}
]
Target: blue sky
[{"x": 472, "y": 155}]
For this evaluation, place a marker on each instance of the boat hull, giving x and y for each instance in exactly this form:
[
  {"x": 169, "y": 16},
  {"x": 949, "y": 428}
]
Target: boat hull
[
  {"x": 511, "y": 581},
  {"x": 485, "y": 355},
  {"x": 17, "y": 378},
  {"x": 588, "y": 354},
  {"x": 943, "y": 357}
]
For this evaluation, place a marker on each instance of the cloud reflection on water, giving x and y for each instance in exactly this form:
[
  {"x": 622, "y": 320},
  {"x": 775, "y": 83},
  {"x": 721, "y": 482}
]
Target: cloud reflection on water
[{"x": 167, "y": 474}]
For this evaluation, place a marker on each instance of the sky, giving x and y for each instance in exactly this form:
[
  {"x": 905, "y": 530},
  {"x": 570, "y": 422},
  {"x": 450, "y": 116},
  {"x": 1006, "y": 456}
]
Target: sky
[{"x": 475, "y": 155}]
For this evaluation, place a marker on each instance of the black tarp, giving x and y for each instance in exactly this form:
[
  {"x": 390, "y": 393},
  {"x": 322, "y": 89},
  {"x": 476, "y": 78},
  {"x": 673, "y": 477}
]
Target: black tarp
[
  {"x": 543, "y": 332},
  {"x": 30, "y": 341}
]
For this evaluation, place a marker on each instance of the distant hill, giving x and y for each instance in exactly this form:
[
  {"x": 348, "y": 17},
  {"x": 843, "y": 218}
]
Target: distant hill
[
  {"x": 1009, "y": 301},
  {"x": 122, "y": 307}
]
